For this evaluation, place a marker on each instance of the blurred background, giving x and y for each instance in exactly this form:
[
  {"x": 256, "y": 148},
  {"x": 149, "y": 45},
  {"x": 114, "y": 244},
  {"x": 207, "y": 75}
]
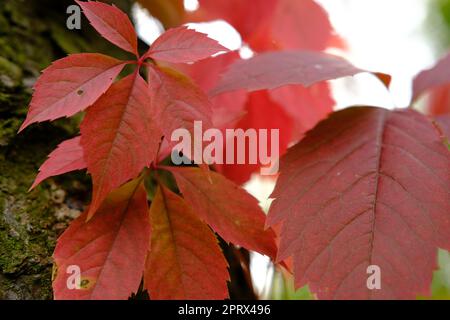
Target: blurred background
[{"x": 400, "y": 38}]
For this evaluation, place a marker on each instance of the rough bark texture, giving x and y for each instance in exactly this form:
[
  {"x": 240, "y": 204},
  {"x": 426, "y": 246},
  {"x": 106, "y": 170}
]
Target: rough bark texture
[{"x": 32, "y": 34}]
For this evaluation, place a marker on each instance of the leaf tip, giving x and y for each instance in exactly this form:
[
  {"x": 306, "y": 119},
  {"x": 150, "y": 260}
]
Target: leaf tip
[
  {"x": 24, "y": 125},
  {"x": 35, "y": 184}
]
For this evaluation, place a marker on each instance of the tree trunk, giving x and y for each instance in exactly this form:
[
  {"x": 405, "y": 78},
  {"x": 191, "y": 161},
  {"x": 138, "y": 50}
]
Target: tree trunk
[{"x": 32, "y": 35}]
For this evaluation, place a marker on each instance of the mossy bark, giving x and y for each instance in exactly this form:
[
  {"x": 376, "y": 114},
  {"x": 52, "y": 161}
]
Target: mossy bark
[{"x": 32, "y": 35}]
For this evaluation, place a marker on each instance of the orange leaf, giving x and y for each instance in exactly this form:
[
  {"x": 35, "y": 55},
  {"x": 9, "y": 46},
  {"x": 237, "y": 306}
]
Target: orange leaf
[{"x": 185, "y": 260}]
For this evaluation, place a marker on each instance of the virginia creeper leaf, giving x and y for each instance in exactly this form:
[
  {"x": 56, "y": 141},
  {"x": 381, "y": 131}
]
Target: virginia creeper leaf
[
  {"x": 119, "y": 136},
  {"x": 261, "y": 113},
  {"x": 185, "y": 260},
  {"x": 109, "y": 249},
  {"x": 68, "y": 156},
  {"x": 182, "y": 45},
  {"x": 275, "y": 69},
  {"x": 306, "y": 106},
  {"x": 231, "y": 212},
  {"x": 71, "y": 85},
  {"x": 367, "y": 186},
  {"x": 112, "y": 24},
  {"x": 178, "y": 102},
  {"x": 437, "y": 76},
  {"x": 227, "y": 108}
]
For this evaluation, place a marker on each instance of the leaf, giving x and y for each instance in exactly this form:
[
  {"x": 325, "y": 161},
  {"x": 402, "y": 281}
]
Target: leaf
[
  {"x": 245, "y": 16},
  {"x": 306, "y": 106},
  {"x": 296, "y": 25},
  {"x": 231, "y": 212},
  {"x": 228, "y": 108},
  {"x": 273, "y": 24},
  {"x": 112, "y": 24},
  {"x": 185, "y": 260},
  {"x": 262, "y": 113},
  {"x": 275, "y": 69},
  {"x": 367, "y": 186},
  {"x": 435, "y": 77},
  {"x": 110, "y": 249},
  {"x": 70, "y": 85},
  {"x": 68, "y": 156},
  {"x": 119, "y": 136},
  {"x": 438, "y": 102},
  {"x": 183, "y": 45},
  {"x": 177, "y": 101}
]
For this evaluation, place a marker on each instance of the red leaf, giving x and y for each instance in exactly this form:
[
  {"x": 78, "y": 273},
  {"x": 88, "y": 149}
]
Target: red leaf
[
  {"x": 233, "y": 213},
  {"x": 112, "y": 23},
  {"x": 228, "y": 108},
  {"x": 245, "y": 16},
  {"x": 366, "y": 187},
  {"x": 110, "y": 249},
  {"x": 306, "y": 106},
  {"x": 273, "y": 24},
  {"x": 119, "y": 136},
  {"x": 437, "y": 76},
  {"x": 185, "y": 260},
  {"x": 68, "y": 156},
  {"x": 291, "y": 109},
  {"x": 177, "y": 101},
  {"x": 183, "y": 45},
  {"x": 275, "y": 69},
  {"x": 262, "y": 113},
  {"x": 71, "y": 85},
  {"x": 439, "y": 101},
  {"x": 296, "y": 25}
]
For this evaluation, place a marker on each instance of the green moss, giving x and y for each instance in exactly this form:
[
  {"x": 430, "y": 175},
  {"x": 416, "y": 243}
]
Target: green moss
[
  {"x": 8, "y": 129},
  {"x": 10, "y": 74}
]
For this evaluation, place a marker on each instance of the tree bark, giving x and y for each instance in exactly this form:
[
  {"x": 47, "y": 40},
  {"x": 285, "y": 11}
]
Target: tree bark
[{"x": 32, "y": 35}]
